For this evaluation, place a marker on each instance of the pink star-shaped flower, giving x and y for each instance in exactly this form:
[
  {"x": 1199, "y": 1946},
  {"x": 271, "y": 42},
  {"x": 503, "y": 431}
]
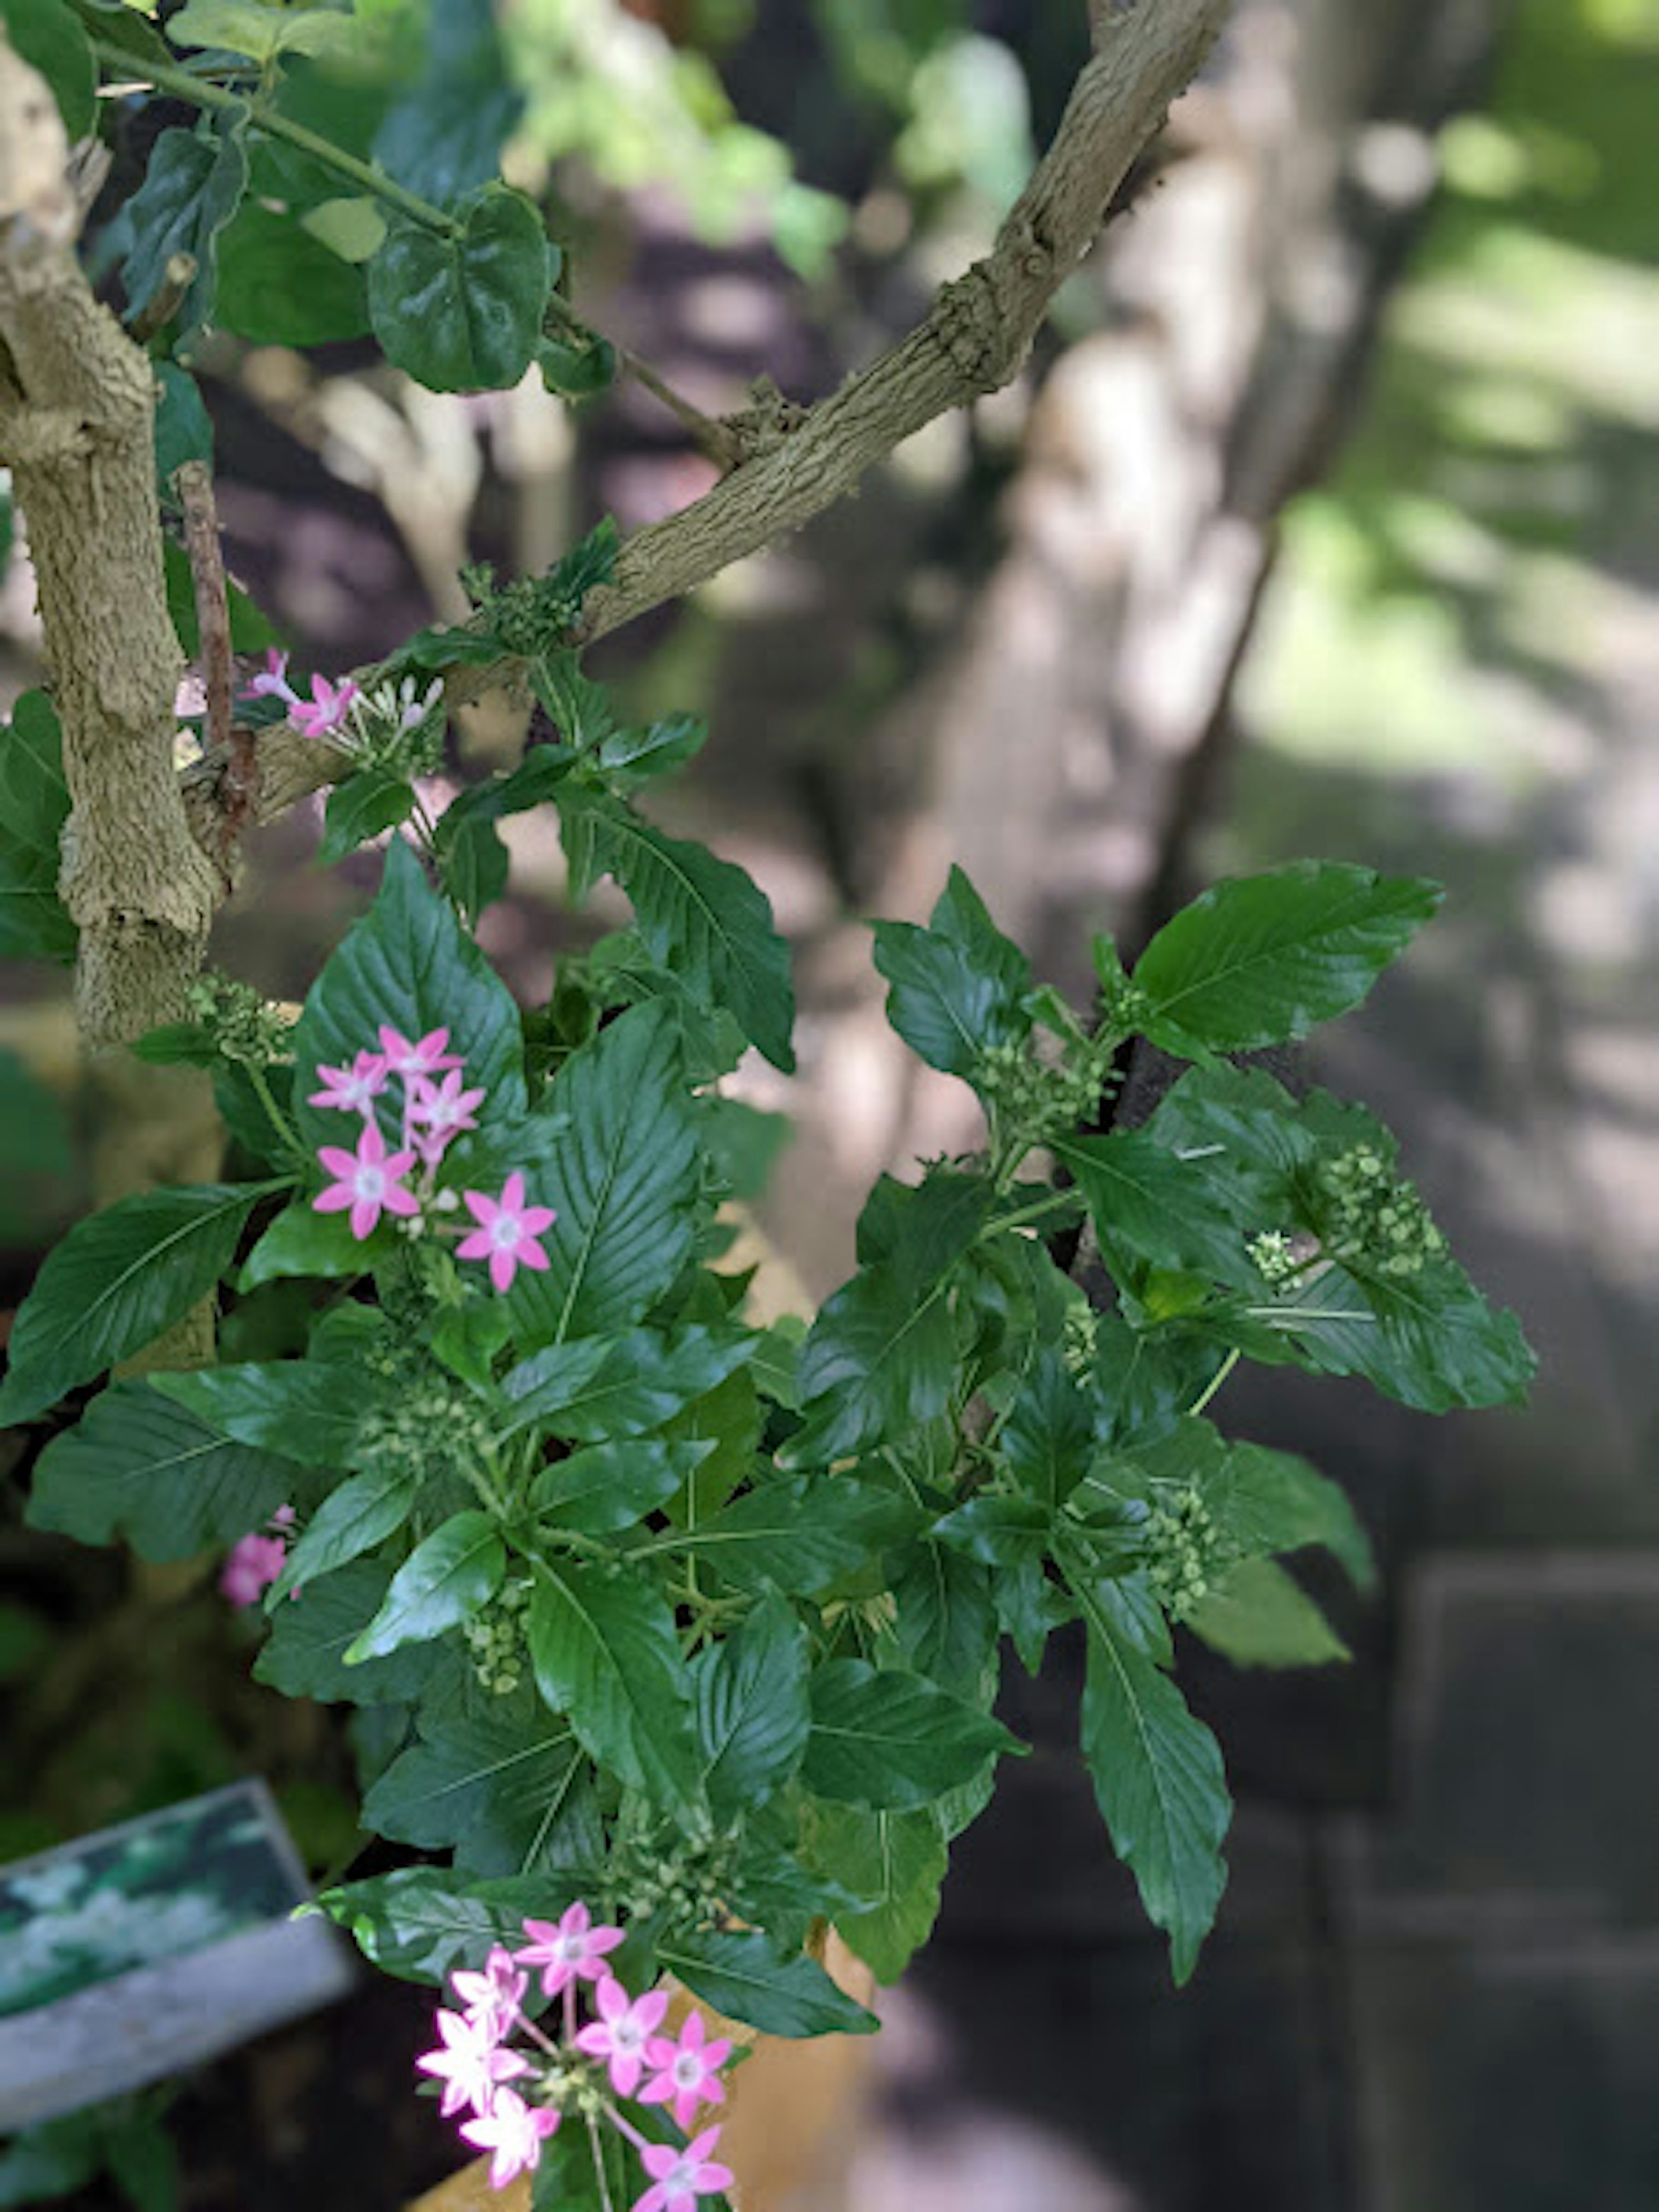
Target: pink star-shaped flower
[
  {"x": 620, "y": 2035},
  {"x": 442, "y": 1110},
  {"x": 571, "y": 1950},
  {"x": 687, "y": 2069},
  {"x": 472, "y": 2064},
  {"x": 272, "y": 681},
  {"x": 493, "y": 1998},
  {"x": 366, "y": 1181},
  {"x": 354, "y": 1088},
  {"x": 507, "y": 1231},
  {"x": 679, "y": 2178},
  {"x": 514, "y": 2131},
  {"x": 425, "y": 1057},
  {"x": 325, "y": 710},
  {"x": 254, "y": 1564}
]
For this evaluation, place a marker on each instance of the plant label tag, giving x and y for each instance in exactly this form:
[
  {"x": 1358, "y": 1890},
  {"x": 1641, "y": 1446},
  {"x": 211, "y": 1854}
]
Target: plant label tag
[{"x": 130, "y": 1954}]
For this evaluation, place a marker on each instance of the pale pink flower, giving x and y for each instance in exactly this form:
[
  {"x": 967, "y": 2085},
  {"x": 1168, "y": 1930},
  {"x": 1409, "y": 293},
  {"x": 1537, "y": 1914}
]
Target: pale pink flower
[
  {"x": 679, "y": 2178},
  {"x": 424, "y": 1058},
  {"x": 326, "y": 709},
  {"x": 471, "y": 2063},
  {"x": 272, "y": 681},
  {"x": 570, "y": 1951},
  {"x": 514, "y": 2131},
  {"x": 254, "y": 1564},
  {"x": 366, "y": 1181},
  {"x": 493, "y": 1998},
  {"x": 507, "y": 1231},
  {"x": 442, "y": 1110},
  {"x": 687, "y": 2069},
  {"x": 620, "y": 2035},
  {"x": 354, "y": 1088}
]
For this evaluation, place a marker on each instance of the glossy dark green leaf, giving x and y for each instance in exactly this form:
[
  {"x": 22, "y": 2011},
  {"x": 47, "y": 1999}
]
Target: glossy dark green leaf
[
  {"x": 449, "y": 1577},
  {"x": 362, "y": 1512},
  {"x": 1048, "y": 1438},
  {"x": 742, "y": 1978},
  {"x": 1159, "y": 1781},
  {"x": 410, "y": 964},
  {"x": 184, "y": 429},
  {"x": 699, "y": 916},
  {"x": 302, "y": 1409},
  {"x": 1266, "y": 1501},
  {"x": 136, "y": 1466},
  {"x": 34, "y": 804},
  {"x": 191, "y": 188},
  {"x": 798, "y": 1536},
  {"x": 445, "y": 135},
  {"x": 1257, "y": 960},
  {"x": 365, "y": 805},
  {"x": 625, "y": 1187},
  {"x": 958, "y": 986},
  {"x": 897, "y": 1860},
  {"x": 262, "y": 29},
  {"x": 462, "y": 312},
  {"x": 893, "y": 1740},
  {"x": 497, "y": 1779},
  {"x": 572, "y": 370},
  {"x": 592, "y": 1388},
  {"x": 418, "y": 1922},
  {"x": 302, "y": 1242},
  {"x": 751, "y": 1706},
  {"x": 304, "y": 1655},
  {"x": 946, "y": 1627},
  {"x": 1147, "y": 1201},
  {"x": 118, "y": 1281},
  {"x": 605, "y": 1653},
  {"x": 609, "y": 1486}
]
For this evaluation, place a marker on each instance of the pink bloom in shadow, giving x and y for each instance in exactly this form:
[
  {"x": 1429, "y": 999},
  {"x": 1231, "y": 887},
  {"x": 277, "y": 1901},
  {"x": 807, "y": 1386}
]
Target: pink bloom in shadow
[{"x": 366, "y": 1181}]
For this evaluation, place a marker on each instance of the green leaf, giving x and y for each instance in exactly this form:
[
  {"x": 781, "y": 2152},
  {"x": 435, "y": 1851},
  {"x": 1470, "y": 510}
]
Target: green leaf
[
  {"x": 625, "y": 1187},
  {"x": 959, "y": 986},
  {"x": 184, "y": 429},
  {"x": 603, "y": 1646},
  {"x": 48, "y": 37},
  {"x": 1266, "y": 1501},
  {"x": 893, "y": 1740},
  {"x": 192, "y": 187},
  {"x": 304, "y": 1656},
  {"x": 700, "y": 917},
  {"x": 878, "y": 1361},
  {"x": 361, "y": 1513},
  {"x": 496, "y": 1778},
  {"x": 262, "y": 29},
  {"x": 136, "y": 1466},
  {"x": 476, "y": 863},
  {"x": 280, "y": 285},
  {"x": 419, "y": 1922},
  {"x": 34, "y": 804},
  {"x": 592, "y": 1388},
  {"x": 119, "y": 25},
  {"x": 250, "y": 631},
  {"x": 366, "y": 806},
  {"x": 306, "y": 1410},
  {"x": 410, "y": 964},
  {"x": 897, "y": 1860},
  {"x": 612, "y": 1486},
  {"x": 448, "y": 1578},
  {"x": 800, "y": 1536},
  {"x": 752, "y": 1710},
  {"x": 1048, "y": 1439},
  {"x": 1158, "y": 1778},
  {"x": 573, "y": 371},
  {"x": 118, "y": 1281},
  {"x": 1165, "y": 1210},
  {"x": 445, "y": 136},
  {"x": 1257, "y": 960},
  {"x": 302, "y": 1242},
  {"x": 462, "y": 312},
  {"x": 742, "y": 1978},
  {"x": 1256, "y": 1616}
]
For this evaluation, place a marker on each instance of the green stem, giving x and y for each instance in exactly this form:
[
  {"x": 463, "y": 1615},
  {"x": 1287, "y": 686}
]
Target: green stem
[
  {"x": 1215, "y": 1382},
  {"x": 200, "y": 93},
  {"x": 279, "y": 1120},
  {"x": 1050, "y": 1202}
]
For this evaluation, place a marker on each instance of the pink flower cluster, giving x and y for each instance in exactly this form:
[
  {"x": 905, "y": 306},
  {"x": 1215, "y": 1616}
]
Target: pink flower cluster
[
  {"x": 323, "y": 715},
  {"x": 255, "y": 1561},
  {"x": 370, "y": 1181},
  {"x": 475, "y": 2064}
]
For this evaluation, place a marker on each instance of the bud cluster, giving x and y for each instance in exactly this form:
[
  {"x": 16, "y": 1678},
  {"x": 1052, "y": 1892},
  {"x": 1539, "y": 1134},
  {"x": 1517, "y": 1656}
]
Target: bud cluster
[
  {"x": 495, "y": 1638},
  {"x": 1367, "y": 1216},
  {"x": 1185, "y": 1550},
  {"x": 683, "y": 1876},
  {"x": 1037, "y": 1098},
  {"x": 241, "y": 1023}
]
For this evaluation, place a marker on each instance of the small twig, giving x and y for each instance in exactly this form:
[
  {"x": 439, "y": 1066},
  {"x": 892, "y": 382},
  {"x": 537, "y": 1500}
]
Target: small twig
[
  {"x": 239, "y": 789},
  {"x": 721, "y": 444},
  {"x": 165, "y": 301}
]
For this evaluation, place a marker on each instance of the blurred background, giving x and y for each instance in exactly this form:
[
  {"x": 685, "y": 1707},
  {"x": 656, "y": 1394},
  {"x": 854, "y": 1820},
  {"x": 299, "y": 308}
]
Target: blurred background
[{"x": 1322, "y": 521}]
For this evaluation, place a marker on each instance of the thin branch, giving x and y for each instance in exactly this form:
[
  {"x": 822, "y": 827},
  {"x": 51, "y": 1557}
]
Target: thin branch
[
  {"x": 193, "y": 483},
  {"x": 972, "y": 342}
]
